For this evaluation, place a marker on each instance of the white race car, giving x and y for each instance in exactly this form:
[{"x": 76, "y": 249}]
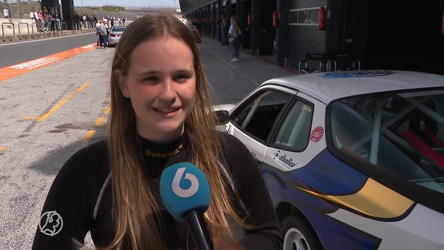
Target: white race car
[{"x": 352, "y": 160}]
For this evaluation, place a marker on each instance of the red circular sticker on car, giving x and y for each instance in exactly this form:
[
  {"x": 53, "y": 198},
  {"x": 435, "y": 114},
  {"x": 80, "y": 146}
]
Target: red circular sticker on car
[{"x": 317, "y": 134}]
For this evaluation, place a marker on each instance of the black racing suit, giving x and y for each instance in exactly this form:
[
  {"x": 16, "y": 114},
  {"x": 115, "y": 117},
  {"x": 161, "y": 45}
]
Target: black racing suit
[{"x": 80, "y": 198}]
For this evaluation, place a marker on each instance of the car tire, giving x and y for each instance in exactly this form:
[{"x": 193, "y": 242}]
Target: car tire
[{"x": 298, "y": 234}]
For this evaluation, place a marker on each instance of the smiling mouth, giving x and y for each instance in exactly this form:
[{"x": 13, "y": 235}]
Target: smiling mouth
[{"x": 167, "y": 110}]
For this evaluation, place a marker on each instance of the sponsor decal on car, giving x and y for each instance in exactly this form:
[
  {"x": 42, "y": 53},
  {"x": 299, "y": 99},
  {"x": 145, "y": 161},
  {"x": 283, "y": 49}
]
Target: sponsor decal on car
[
  {"x": 317, "y": 133},
  {"x": 284, "y": 160}
]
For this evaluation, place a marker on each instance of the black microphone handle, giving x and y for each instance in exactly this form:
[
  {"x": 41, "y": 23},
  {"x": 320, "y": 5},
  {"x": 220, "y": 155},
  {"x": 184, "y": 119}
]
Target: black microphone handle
[{"x": 197, "y": 226}]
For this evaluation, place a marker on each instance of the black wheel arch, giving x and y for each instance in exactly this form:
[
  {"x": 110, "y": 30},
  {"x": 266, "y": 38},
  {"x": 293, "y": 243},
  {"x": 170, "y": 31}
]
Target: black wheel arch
[{"x": 285, "y": 208}]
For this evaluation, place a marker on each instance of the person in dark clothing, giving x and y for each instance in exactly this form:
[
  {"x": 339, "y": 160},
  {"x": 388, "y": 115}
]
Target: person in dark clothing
[
  {"x": 223, "y": 29},
  {"x": 160, "y": 115}
]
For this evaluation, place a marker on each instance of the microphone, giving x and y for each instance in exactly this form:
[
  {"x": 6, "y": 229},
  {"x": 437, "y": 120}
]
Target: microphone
[{"x": 185, "y": 193}]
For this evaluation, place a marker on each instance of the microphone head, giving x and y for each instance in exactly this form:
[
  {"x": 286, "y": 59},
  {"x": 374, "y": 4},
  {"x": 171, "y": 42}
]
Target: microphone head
[{"x": 183, "y": 187}]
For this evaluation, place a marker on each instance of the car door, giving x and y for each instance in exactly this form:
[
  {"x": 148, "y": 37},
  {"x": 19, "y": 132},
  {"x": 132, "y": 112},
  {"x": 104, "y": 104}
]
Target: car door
[
  {"x": 253, "y": 120},
  {"x": 298, "y": 137}
]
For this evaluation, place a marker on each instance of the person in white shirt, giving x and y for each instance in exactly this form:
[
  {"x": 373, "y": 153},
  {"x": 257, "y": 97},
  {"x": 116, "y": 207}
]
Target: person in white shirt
[
  {"x": 233, "y": 38},
  {"x": 103, "y": 34}
]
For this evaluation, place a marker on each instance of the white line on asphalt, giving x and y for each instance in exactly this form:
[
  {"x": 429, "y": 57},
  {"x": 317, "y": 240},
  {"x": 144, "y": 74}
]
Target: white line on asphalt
[
  {"x": 45, "y": 39},
  {"x": 249, "y": 78}
]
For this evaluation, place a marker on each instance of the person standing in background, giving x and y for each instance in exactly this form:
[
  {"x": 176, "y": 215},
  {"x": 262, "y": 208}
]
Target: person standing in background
[
  {"x": 223, "y": 29},
  {"x": 233, "y": 38},
  {"x": 103, "y": 33}
]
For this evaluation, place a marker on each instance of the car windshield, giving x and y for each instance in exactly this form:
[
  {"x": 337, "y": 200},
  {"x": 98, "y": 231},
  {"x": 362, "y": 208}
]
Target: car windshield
[
  {"x": 118, "y": 29},
  {"x": 402, "y": 133}
]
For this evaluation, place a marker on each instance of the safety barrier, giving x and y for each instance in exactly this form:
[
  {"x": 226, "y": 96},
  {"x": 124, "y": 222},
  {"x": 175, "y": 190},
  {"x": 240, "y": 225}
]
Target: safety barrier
[
  {"x": 25, "y": 32},
  {"x": 3, "y": 29},
  {"x": 32, "y": 28},
  {"x": 20, "y": 32},
  {"x": 66, "y": 25}
]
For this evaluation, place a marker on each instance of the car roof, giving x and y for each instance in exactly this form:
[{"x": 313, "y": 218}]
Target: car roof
[{"x": 328, "y": 86}]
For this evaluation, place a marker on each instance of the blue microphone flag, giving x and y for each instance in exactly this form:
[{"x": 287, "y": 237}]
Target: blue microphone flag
[{"x": 183, "y": 188}]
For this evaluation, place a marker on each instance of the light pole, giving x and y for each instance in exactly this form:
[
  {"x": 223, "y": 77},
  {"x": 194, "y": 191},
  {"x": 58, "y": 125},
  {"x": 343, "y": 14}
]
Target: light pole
[
  {"x": 32, "y": 6},
  {"x": 20, "y": 9}
]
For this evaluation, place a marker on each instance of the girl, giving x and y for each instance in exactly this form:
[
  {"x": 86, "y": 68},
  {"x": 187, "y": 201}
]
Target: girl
[
  {"x": 233, "y": 37},
  {"x": 160, "y": 115}
]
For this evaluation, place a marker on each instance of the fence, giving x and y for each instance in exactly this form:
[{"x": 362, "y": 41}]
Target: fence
[
  {"x": 23, "y": 29},
  {"x": 18, "y": 9},
  {"x": 21, "y": 9},
  {"x": 99, "y": 13}
]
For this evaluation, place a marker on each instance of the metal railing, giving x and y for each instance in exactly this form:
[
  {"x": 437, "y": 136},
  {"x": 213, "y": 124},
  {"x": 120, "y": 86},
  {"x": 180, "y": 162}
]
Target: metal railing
[
  {"x": 19, "y": 29},
  {"x": 24, "y": 32},
  {"x": 3, "y": 29}
]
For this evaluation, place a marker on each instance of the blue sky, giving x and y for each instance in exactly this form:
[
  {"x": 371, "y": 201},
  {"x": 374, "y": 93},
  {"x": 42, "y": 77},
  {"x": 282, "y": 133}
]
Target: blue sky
[{"x": 138, "y": 3}]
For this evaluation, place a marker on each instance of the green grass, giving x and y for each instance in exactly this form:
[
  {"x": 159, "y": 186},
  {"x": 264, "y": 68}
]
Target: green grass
[
  {"x": 113, "y": 8},
  {"x": 96, "y": 9}
]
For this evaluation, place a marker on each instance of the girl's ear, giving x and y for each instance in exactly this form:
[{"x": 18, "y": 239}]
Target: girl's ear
[{"x": 121, "y": 80}]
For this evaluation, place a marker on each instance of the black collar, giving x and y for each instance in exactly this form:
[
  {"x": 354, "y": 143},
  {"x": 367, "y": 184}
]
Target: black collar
[{"x": 157, "y": 156}]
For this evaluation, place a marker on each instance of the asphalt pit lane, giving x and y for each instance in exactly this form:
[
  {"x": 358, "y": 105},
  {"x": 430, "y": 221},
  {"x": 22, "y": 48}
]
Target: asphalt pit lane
[
  {"x": 76, "y": 125},
  {"x": 3, "y": 177},
  {"x": 56, "y": 131}
]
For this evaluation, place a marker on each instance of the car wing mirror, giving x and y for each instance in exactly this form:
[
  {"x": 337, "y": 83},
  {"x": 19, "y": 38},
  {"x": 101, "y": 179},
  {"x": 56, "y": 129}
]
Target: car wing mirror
[{"x": 223, "y": 117}]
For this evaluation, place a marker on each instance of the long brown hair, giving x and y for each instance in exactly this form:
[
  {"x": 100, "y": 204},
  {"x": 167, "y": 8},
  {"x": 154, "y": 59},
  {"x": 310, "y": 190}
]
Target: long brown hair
[
  {"x": 235, "y": 25},
  {"x": 136, "y": 210}
]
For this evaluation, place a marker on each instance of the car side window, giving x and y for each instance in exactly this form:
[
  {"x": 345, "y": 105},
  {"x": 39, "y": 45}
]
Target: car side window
[
  {"x": 260, "y": 113},
  {"x": 294, "y": 132},
  {"x": 242, "y": 115}
]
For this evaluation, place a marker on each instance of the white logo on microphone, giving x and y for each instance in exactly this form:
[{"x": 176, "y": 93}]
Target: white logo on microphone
[{"x": 185, "y": 193}]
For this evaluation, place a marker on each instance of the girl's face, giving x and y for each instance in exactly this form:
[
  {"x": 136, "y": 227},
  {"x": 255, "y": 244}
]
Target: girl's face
[{"x": 161, "y": 84}]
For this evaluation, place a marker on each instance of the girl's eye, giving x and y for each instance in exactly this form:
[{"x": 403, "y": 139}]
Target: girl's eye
[
  {"x": 182, "y": 77},
  {"x": 151, "y": 78}
]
